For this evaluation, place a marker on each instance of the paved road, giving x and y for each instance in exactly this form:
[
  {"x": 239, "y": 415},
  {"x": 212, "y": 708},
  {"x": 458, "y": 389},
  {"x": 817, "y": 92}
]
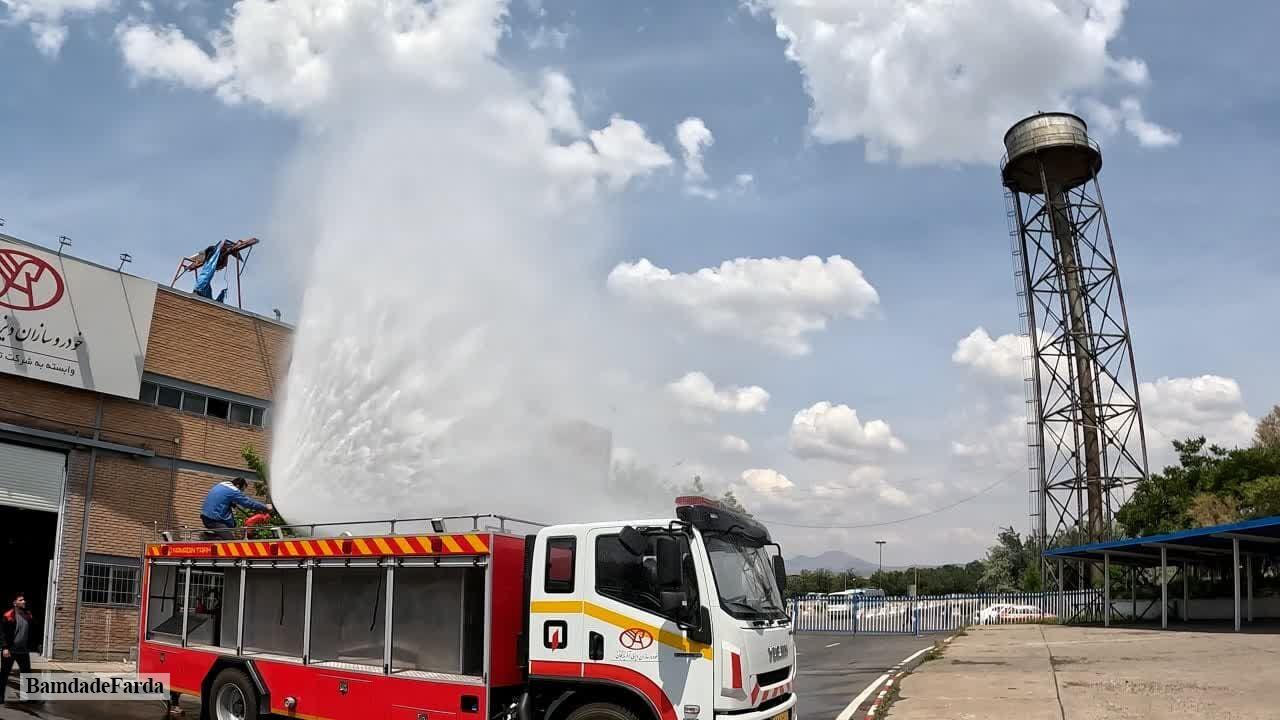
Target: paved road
[{"x": 835, "y": 668}]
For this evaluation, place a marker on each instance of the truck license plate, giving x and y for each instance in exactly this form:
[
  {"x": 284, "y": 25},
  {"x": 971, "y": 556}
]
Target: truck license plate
[{"x": 784, "y": 715}]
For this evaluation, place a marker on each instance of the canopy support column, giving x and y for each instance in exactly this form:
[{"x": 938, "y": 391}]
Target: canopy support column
[
  {"x": 1248, "y": 581},
  {"x": 1062, "y": 588},
  {"x": 1186, "y": 591},
  {"x": 1106, "y": 589},
  {"x": 1164, "y": 588},
  {"x": 1235, "y": 578}
]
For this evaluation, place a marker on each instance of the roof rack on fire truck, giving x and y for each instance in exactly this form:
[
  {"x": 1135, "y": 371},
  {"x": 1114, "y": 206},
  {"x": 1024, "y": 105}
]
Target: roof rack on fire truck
[{"x": 492, "y": 522}]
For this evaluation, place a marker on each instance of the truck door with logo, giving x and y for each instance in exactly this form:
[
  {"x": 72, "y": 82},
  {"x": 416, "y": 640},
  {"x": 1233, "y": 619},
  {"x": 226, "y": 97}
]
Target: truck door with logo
[
  {"x": 638, "y": 619},
  {"x": 557, "y": 640}
]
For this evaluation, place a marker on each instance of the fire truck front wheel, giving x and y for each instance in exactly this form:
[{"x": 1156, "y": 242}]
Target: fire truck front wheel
[
  {"x": 232, "y": 697},
  {"x": 601, "y": 711}
]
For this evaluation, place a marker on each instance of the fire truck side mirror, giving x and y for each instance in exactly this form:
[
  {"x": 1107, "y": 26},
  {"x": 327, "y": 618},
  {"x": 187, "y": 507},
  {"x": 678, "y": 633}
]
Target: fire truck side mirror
[
  {"x": 632, "y": 541},
  {"x": 780, "y": 573}
]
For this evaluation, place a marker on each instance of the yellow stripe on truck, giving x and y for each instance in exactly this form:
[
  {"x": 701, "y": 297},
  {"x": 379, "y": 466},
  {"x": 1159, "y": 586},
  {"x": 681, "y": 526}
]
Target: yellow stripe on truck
[{"x": 618, "y": 620}]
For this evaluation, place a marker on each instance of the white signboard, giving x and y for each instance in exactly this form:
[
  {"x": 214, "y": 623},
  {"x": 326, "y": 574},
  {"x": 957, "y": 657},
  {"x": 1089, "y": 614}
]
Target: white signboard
[{"x": 66, "y": 321}]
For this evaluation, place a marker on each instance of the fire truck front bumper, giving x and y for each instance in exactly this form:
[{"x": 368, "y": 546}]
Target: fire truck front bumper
[{"x": 785, "y": 711}]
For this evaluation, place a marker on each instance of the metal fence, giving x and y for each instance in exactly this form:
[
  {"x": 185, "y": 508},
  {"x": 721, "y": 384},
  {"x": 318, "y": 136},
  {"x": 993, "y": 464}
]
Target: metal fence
[{"x": 937, "y": 613}]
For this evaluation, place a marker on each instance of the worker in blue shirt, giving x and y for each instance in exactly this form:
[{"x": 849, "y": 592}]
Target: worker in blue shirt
[{"x": 215, "y": 513}]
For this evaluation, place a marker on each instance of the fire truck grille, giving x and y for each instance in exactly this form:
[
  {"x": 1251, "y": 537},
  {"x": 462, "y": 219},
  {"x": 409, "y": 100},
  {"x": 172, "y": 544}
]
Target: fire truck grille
[{"x": 773, "y": 677}]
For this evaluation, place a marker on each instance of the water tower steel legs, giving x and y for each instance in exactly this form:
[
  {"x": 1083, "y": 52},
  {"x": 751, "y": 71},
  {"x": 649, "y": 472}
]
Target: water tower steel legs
[{"x": 1088, "y": 414}]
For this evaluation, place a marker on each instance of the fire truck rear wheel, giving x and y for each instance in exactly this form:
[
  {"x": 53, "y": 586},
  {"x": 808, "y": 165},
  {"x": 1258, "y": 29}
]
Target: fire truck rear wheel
[
  {"x": 233, "y": 697},
  {"x": 601, "y": 711}
]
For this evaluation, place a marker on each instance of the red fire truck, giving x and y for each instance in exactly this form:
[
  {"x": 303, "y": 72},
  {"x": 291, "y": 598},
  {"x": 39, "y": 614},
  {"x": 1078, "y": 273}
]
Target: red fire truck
[{"x": 667, "y": 619}]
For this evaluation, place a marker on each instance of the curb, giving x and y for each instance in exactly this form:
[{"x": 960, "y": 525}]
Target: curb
[{"x": 897, "y": 672}]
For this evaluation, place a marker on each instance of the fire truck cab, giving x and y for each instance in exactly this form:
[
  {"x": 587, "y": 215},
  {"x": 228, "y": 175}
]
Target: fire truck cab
[{"x": 665, "y": 619}]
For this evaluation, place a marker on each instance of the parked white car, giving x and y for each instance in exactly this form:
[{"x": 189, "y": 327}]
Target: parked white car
[
  {"x": 1002, "y": 613},
  {"x": 842, "y": 601}
]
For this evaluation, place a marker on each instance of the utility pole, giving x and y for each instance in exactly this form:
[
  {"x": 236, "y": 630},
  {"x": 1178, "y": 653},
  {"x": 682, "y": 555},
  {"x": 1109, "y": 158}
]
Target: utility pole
[{"x": 881, "y": 544}]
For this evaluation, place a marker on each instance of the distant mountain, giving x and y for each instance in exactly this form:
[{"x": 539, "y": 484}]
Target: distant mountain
[{"x": 834, "y": 560}]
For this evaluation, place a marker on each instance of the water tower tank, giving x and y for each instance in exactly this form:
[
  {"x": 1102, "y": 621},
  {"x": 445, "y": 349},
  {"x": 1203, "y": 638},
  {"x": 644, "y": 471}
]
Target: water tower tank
[{"x": 1057, "y": 142}]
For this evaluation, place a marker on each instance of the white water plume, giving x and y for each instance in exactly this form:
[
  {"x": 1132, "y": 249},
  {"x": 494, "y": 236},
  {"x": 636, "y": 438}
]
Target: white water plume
[{"x": 450, "y": 337}]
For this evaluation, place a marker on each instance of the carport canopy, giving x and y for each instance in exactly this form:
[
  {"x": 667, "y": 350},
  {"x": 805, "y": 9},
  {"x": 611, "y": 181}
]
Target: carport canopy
[{"x": 1260, "y": 536}]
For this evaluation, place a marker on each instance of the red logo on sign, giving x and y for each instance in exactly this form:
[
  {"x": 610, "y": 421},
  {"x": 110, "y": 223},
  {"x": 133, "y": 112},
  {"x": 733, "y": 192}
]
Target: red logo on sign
[
  {"x": 27, "y": 282},
  {"x": 635, "y": 638}
]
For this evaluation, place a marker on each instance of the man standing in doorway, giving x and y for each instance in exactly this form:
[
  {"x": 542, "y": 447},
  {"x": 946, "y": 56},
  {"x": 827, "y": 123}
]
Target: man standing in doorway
[
  {"x": 216, "y": 513},
  {"x": 16, "y": 641}
]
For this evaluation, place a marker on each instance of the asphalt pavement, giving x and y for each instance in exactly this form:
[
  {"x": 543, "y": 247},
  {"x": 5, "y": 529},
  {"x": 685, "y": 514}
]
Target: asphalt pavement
[{"x": 835, "y": 668}]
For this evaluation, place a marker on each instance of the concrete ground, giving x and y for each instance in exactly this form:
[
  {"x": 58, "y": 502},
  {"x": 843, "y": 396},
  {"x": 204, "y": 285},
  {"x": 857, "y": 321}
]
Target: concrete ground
[
  {"x": 835, "y": 668},
  {"x": 1051, "y": 672}
]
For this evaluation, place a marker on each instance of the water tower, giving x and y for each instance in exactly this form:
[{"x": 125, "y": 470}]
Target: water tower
[{"x": 1086, "y": 436}]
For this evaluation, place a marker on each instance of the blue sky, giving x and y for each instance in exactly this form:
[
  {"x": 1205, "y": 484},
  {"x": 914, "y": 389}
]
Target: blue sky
[{"x": 121, "y": 157}]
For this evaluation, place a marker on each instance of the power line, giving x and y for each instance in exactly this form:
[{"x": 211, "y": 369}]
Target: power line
[{"x": 935, "y": 511}]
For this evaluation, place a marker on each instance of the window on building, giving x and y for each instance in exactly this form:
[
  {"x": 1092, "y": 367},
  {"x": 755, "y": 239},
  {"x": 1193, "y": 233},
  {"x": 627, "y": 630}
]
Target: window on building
[
  {"x": 560, "y": 561},
  {"x": 242, "y": 414},
  {"x": 169, "y": 397},
  {"x": 629, "y": 578},
  {"x": 202, "y": 404},
  {"x": 109, "y": 580},
  {"x": 217, "y": 408},
  {"x": 193, "y": 402}
]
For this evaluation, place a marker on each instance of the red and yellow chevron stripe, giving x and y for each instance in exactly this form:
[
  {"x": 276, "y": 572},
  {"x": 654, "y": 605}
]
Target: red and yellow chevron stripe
[{"x": 382, "y": 546}]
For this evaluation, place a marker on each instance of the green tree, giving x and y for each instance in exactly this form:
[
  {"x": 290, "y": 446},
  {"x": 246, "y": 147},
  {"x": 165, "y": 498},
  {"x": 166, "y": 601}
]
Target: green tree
[
  {"x": 1210, "y": 485},
  {"x": 1007, "y": 562},
  {"x": 1268, "y": 433},
  {"x": 261, "y": 488},
  {"x": 1261, "y": 497}
]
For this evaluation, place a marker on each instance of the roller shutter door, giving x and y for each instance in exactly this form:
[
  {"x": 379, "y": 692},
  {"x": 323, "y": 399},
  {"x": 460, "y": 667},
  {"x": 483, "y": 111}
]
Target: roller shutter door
[{"x": 31, "y": 478}]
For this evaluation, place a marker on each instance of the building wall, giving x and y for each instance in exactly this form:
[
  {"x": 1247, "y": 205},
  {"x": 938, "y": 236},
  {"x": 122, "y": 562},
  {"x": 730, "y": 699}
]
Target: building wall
[
  {"x": 200, "y": 342},
  {"x": 192, "y": 340}
]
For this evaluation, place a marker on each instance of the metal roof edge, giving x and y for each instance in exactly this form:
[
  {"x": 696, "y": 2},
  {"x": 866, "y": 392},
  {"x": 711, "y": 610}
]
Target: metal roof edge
[
  {"x": 1267, "y": 522},
  {"x": 159, "y": 285}
]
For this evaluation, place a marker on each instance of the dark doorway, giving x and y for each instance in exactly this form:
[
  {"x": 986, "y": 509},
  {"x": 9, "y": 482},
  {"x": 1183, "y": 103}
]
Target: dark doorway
[{"x": 27, "y": 540}]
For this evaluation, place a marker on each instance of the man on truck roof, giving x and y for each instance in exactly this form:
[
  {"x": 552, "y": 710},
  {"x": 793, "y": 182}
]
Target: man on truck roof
[{"x": 216, "y": 513}]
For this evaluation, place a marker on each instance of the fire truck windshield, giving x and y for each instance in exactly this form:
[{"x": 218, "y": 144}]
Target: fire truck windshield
[{"x": 744, "y": 578}]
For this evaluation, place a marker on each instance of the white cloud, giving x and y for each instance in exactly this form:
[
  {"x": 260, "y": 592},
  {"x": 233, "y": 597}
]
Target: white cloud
[
  {"x": 164, "y": 53},
  {"x": 866, "y": 484},
  {"x": 1003, "y": 357},
  {"x": 45, "y": 18},
  {"x": 743, "y": 180},
  {"x": 834, "y": 432},
  {"x": 556, "y": 102},
  {"x": 1129, "y": 116},
  {"x": 766, "y": 481},
  {"x": 1178, "y": 408},
  {"x": 734, "y": 444},
  {"x": 306, "y": 58},
  {"x": 699, "y": 398},
  {"x": 626, "y": 152},
  {"x": 994, "y": 442},
  {"x": 776, "y": 302},
  {"x": 694, "y": 137},
  {"x": 936, "y": 81},
  {"x": 545, "y": 37}
]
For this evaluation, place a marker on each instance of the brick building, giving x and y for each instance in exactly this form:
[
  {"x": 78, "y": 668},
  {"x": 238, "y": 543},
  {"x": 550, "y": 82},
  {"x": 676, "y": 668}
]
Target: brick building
[{"x": 121, "y": 403}]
